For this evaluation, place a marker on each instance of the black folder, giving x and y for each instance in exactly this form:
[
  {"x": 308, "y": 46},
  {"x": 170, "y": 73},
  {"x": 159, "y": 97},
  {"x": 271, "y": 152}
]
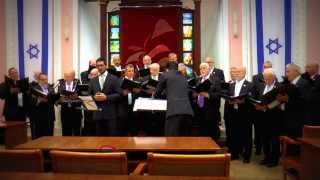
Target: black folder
[
  {"x": 38, "y": 93},
  {"x": 144, "y": 72},
  {"x": 241, "y": 96},
  {"x": 202, "y": 87},
  {"x": 128, "y": 84},
  {"x": 192, "y": 82},
  {"x": 151, "y": 83},
  {"x": 114, "y": 72},
  {"x": 22, "y": 84}
]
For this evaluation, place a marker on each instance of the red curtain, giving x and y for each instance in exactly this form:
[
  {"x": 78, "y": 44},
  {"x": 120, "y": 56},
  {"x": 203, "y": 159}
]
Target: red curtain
[{"x": 149, "y": 31}]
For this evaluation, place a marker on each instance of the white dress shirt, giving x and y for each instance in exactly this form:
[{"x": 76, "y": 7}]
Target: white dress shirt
[
  {"x": 102, "y": 79},
  {"x": 69, "y": 87},
  {"x": 268, "y": 88},
  {"x": 155, "y": 77},
  {"x": 238, "y": 87},
  {"x": 294, "y": 82}
]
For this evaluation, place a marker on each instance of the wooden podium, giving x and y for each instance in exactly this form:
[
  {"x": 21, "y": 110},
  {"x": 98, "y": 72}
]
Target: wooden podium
[{"x": 15, "y": 132}]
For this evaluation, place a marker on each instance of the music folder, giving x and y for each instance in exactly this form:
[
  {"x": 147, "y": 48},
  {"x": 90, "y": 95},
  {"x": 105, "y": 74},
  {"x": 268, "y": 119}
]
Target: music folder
[
  {"x": 202, "y": 87},
  {"x": 128, "y": 84},
  {"x": 39, "y": 93},
  {"x": 144, "y": 72},
  {"x": 192, "y": 82},
  {"x": 88, "y": 103},
  {"x": 226, "y": 96},
  {"x": 115, "y": 72},
  {"x": 151, "y": 83}
]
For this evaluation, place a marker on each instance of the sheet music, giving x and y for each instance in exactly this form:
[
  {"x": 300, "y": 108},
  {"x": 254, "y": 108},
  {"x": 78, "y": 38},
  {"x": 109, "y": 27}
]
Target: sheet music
[
  {"x": 89, "y": 103},
  {"x": 149, "y": 104}
]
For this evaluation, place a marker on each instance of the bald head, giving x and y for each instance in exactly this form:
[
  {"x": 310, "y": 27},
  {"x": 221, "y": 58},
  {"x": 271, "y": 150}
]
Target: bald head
[
  {"x": 267, "y": 64},
  {"x": 204, "y": 69},
  {"x": 69, "y": 75},
  {"x": 269, "y": 76},
  {"x": 116, "y": 60},
  {"x": 146, "y": 60},
  {"x": 154, "y": 69},
  {"x": 241, "y": 73},
  {"x": 292, "y": 71},
  {"x": 94, "y": 73},
  {"x": 210, "y": 62},
  {"x": 312, "y": 68},
  {"x": 173, "y": 57}
]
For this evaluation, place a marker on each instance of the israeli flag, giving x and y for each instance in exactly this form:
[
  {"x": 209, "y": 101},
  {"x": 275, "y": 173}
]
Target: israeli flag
[
  {"x": 32, "y": 36},
  {"x": 272, "y": 34}
]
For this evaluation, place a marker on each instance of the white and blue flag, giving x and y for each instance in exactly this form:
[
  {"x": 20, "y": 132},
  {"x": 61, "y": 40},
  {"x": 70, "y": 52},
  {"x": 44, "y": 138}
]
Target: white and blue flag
[
  {"x": 272, "y": 33},
  {"x": 33, "y": 36}
]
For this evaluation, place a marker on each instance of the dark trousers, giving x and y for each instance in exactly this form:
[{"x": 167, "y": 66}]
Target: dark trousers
[
  {"x": 209, "y": 123},
  {"x": 178, "y": 125},
  {"x": 241, "y": 134},
  {"x": 258, "y": 128},
  {"x": 271, "y": 148},
  {"x": 43, "y": 127},
  {"x": 89, "y": 125},
  {"x": 70, "y": 121},
  {"x": 106, "y": 127}
]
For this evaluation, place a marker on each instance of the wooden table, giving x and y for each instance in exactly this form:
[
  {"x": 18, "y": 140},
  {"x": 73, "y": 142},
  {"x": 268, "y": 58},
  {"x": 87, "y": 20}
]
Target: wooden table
[
  {"x": 126, "y": 144},
  {"x": 310, "y": 158},
  {"x": 52, "y": 176},
  {"x": 15, "y": 132}
]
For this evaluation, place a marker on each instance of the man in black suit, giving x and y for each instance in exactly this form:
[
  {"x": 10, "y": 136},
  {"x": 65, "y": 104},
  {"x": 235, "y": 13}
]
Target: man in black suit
[
  {"x": 85, "y": 74},
  {"x": 43, "y": 107},
  {"x": 179, "y": 112},
  {"x": 228, "y": 107},
  {"x": 208, "y": 104},
  {"x": 215, "y": 72},
  {"x": 295, "y": 100},
  {"x": 15, "y": 97},
  {"x": 270, "y": 118},
  {"x": 257, "y": 81},
  {"x": 313, "y": 113},
  {"x": 89, "y": 124},
  {"x": 107, "y": 93},
  {"x": 153, "y": 121},
  {"x": 241, "y": 122},
  {"x": 128, "y": 123},
  {"x": 71, "y": 114}
]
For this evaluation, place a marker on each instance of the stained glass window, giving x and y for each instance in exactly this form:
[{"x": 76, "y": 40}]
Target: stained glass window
[{"x": 113, "y": 35}]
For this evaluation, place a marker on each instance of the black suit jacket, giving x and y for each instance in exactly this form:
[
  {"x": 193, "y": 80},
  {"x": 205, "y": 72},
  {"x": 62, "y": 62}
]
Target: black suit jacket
[
  {"x": 313, "y": 112},
  {"x": 112, "y": 90},
  {"x": 11, "y": 110},
  {"x": 85, "y": 77},
  {"x": 123, "y": 106},
  {"x": 212, "y": 103},
  {"x": 246, "y": 88},
  {"x": 295, "y": 108},
  {"x": 177, "y": 92},
  {"x": 62, "y": 87},
  {"x": 44, "y": 109},
  {"x": 218, "y": 74}
]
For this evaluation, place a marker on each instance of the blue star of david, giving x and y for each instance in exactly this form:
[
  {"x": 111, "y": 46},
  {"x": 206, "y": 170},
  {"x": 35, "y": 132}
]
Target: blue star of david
[
  {"x": 33, "y": 51},
  {"x": 273, "y": 46}
]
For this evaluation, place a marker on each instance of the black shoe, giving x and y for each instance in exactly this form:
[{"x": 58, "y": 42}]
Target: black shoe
[
  {"x": 265, "y": 161},
  {"x": 234, "y": 157},
  {"x": 272, "y": 164},
  {"x": 246, "y": 161}
]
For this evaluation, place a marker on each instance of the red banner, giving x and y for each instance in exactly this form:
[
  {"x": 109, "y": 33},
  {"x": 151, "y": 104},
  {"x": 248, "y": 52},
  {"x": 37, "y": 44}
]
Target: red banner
[{"x": 149, "y": 31}]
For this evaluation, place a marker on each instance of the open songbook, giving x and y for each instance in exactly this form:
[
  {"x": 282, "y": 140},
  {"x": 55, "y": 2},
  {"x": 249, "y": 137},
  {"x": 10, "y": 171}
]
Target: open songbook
[
  {"x": 149, "y": 104},
  {"x": 151, "y": 83},
  {"x": 128, "y": 84},
  {"x": 39, "y": 93},
  {"x": 202, "y": 87},
  {"x": 115, "y": 72},
  {"x": 22, "y": 84},
  {"x": 226, "y": 96},
  {"x": 144, "y": 72},
  {"x": 88, "y": 103}
]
